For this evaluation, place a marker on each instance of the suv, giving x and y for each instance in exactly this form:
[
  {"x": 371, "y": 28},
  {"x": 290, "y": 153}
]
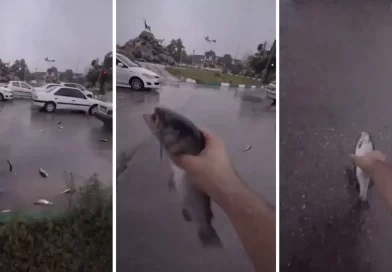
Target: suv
[
  {"x": 77, "y": 86},
  {"x": 130, "y": 74}
]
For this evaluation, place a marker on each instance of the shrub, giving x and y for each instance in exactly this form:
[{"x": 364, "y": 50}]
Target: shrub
[{"x": 79, "y": 241}]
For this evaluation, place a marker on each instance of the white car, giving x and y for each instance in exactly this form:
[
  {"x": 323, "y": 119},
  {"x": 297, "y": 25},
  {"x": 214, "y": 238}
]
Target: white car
[
  {"x": 77, "y": 86},
  {"x": 130, "y": 74},
  {"x": 65, "y": 98},
  {"x": 271, "y": 90},
  {"x": 105, "y": 113},
  {"x": 5, "y": 93},
  {"x": 20, "y": 87},
  {"x": 45, "y": 87}
]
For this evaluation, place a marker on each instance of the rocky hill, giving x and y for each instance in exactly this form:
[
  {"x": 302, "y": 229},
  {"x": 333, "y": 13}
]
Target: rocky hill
[{"x": 146, "y": 48}]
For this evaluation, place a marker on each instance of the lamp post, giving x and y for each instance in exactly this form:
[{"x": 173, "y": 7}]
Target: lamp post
[{"x": 205, "y": 53}]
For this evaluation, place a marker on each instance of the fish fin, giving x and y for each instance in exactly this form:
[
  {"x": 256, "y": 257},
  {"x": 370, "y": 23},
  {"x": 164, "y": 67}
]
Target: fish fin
[
  {"x": 208, "y": 236},
  {"x": 187, "y": 215}
]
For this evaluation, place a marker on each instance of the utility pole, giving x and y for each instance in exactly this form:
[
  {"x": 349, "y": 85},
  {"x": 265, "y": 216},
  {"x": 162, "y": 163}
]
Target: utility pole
[
  {"x": 236, "y": 53},
  {"x": 77, "y": 64},
  {"x": 193, "y": 55},
  {"x": 181, "y": 56},
  {"x": 265, "y": 71}
]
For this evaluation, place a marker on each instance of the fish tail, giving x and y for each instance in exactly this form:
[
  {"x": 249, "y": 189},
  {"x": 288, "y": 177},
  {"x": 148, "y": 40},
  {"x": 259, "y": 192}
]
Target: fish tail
[{"x": 209, "y": 237}]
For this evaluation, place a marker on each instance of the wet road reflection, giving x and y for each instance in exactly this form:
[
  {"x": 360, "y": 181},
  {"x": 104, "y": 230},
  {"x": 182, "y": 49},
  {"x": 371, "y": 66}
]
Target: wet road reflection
[{"x": 154, "y": 233}]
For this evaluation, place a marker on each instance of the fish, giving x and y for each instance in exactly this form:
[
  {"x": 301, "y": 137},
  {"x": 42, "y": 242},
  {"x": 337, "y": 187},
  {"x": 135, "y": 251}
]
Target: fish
[
  {"x": 104, "y": 140},
  {"x": 10, "y": 166},
  {"x": 363, "y": 147},
  {"x": 59, "y": 123},
  {"x": 5, "y": 211},
  {"x": 247, "y": 148},
  {"x": 43, "y": 202},
  {"x": 61, "y": 127},
  {"x": 178, "y": 135},
  {"x": 43, "y": 173},
  {"x": 68, "y": 191}
]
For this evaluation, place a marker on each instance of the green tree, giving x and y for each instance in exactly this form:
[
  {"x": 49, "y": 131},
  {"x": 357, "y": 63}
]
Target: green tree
[
  {"x": 174, "y": 49},
  {"x": 68, "y": 75},
  {"x": 20, "y": 69},
  {"x": 227, "y": 61}
]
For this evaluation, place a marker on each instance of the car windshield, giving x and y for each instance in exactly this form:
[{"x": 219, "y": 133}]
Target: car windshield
[
  {"x": 48, "y": 90},
  {"x": 127, "y": 61}
]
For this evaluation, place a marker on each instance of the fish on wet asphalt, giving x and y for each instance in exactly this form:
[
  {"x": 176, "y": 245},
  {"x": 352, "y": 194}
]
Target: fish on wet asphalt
[
  {"x": 43, "y": 202},
  {"x": 364, "y": 146},
  {"x": 43, "y": 173},
  {"x": 179, "y": 135},
  {"x": 10, "y": 166}
]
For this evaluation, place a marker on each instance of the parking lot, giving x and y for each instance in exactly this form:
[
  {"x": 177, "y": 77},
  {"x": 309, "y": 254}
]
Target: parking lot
[
  {"x": 31, "y": 140},
  {"x": 154, "y": 235}
]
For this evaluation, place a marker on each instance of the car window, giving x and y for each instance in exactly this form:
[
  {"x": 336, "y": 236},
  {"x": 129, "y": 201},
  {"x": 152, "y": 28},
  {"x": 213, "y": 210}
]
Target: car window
[
  {"x": 48, "y": 90},
  {"x": 79, "y": 87},
  {"x": 15, "y": 84},
  {"x": 126, "y": 61},
  {"x": 24, "y": 85},
  {"x": 77, "y": 94},
  {"x": 64, "y": 92}
]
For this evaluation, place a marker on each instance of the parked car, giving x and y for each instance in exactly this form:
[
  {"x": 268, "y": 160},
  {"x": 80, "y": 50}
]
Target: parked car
[
  {"x": 271, "y": 91},
  {"x": 77, "y": 86},
  {"x": 65, "y": 98},
  {"x": 20, "y": 87},
  {"x": 105, "y": 113},
  {"x": 130, "y": 74},
  {"x": 45, "y": 87},
  {"x": 5, "y": 93}
]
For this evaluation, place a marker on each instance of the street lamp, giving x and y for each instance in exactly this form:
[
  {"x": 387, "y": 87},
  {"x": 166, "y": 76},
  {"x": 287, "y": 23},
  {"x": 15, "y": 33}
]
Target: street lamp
[{"x": 205, "y": 55}]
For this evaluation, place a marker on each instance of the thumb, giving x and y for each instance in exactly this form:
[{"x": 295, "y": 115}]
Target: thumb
[{"x": 355, "y": 158}]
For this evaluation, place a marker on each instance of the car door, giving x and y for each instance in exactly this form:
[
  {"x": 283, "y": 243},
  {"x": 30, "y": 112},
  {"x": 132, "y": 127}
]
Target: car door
[
  {"x": 122, "y": 73},
  {"x": 26, "y": 87},
  {"x": 79, "y": 100},
  {"x": 15, "y": 86},
  {"x": 63, "y": 98}
]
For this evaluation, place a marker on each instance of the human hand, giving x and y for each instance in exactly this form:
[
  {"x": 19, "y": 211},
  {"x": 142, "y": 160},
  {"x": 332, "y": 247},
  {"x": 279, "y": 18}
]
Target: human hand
[
  {"x": 210, "y": 166},
  {"x": 367, "y": 162}
]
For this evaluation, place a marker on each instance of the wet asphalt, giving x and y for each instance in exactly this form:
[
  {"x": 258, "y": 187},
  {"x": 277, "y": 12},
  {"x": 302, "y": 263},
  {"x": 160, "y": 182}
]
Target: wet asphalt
[
  {"x": 32, "y": 140},
  {"x": 152, "y": 234},
  {"x": 335, "y": 82}
]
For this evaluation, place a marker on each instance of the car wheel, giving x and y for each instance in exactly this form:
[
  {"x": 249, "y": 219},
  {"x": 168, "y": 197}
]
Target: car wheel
[
  {"x": 50, "y": 107},
  {"x": 136, "y": 83},
  {"x": 2, "y": 97},
  {"x": 92, "y": 109}
]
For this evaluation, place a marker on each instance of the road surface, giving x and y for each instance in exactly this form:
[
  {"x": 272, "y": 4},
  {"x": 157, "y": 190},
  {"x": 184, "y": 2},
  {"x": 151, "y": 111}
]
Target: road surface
[
  {"x": 32, "y": 140},
  {"x": 153, "y": 235},
  {"x": 335, "y": 82}
]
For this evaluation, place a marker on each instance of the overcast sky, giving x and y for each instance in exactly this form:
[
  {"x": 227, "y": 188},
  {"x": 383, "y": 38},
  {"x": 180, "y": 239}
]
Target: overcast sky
[
  {"x": 231, "y": 22},
  {"x": 63, "y": 30}
]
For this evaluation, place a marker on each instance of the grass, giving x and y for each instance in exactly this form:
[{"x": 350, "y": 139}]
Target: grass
[
  {"x": 79, "y": 241},
  {"x": 210, "y": 77}
]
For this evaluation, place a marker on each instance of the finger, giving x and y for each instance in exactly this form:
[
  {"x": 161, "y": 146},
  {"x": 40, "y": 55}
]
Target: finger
[{"x": 185, "y": 161}]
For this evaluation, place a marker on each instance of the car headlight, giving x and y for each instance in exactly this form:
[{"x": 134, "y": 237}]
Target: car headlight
[{"x": 148, "y": 76}]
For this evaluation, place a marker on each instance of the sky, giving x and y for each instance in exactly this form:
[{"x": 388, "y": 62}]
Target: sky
[
  {"x": 63, "y": 30},
  {"x": 233, "y": 23}
]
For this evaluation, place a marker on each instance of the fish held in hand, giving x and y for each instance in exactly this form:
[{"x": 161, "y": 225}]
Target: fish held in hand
[
  {"x": 178, "y": 135},
  {"x": 363, "y": 147}
]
